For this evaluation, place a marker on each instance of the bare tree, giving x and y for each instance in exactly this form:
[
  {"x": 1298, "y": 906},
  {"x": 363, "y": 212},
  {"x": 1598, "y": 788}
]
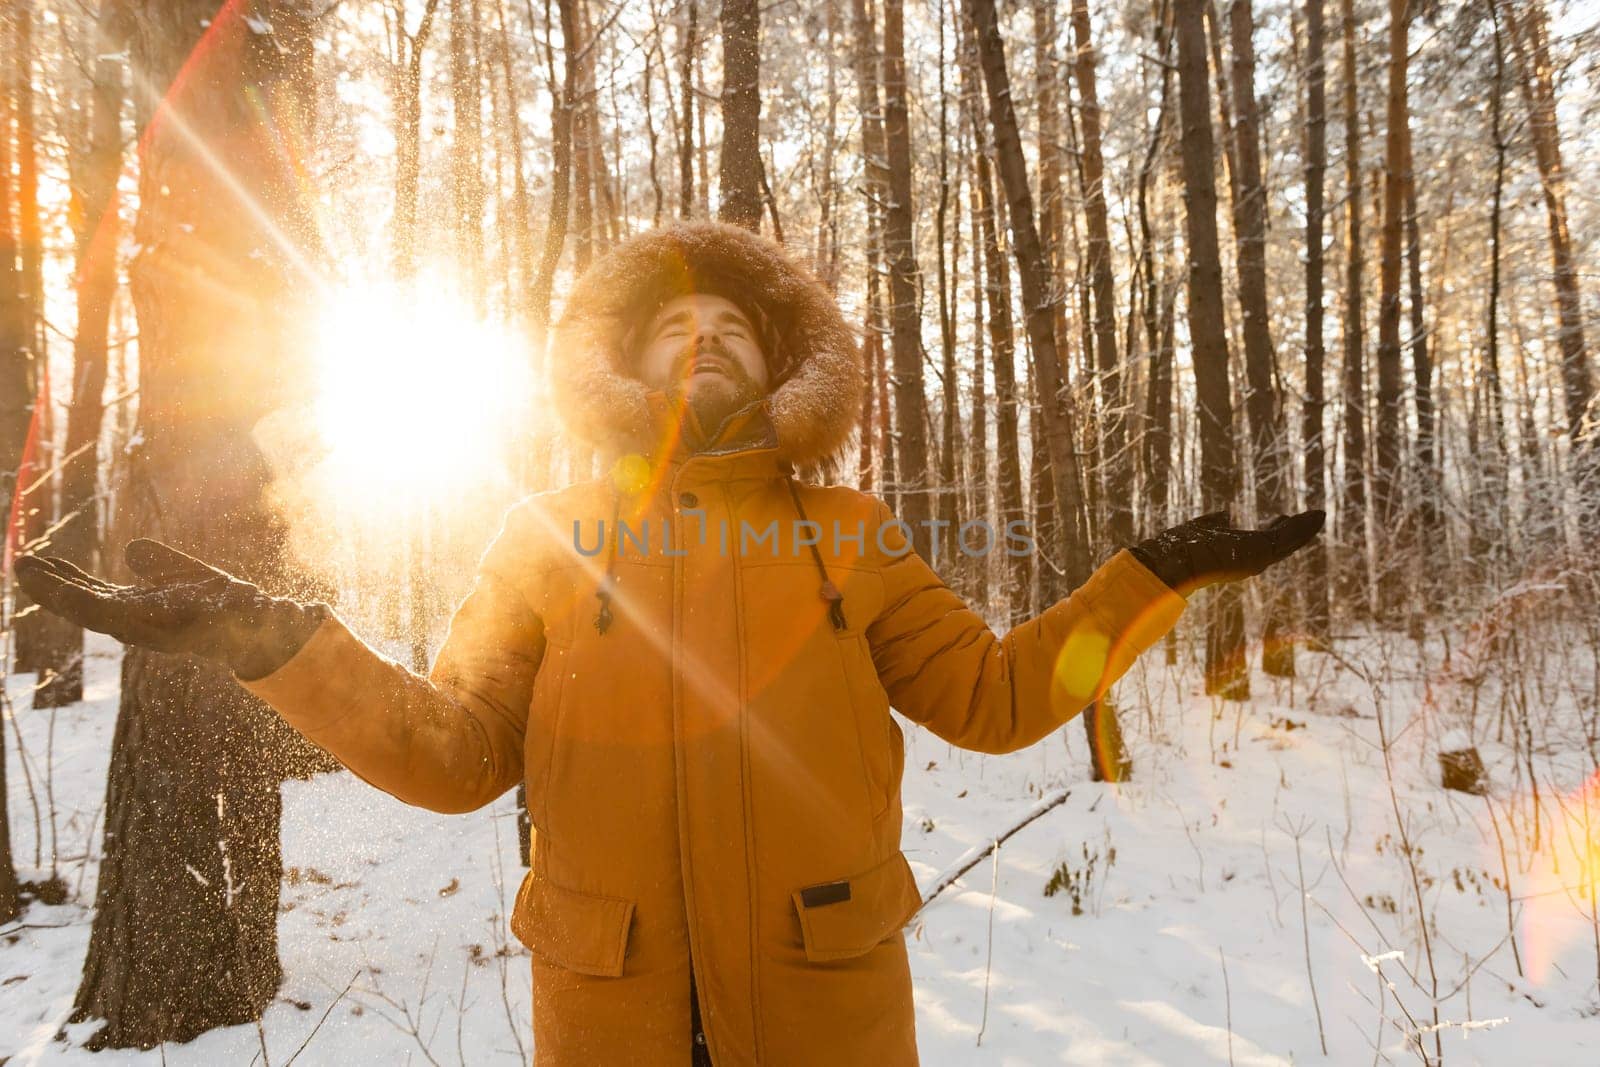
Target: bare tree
[
  {"x": 1263, "y": 406},
  {"x": 76, "y": 533},
  {"x": 688, "y": 47},
  {"x": 875, "y": 188},
  {"x": 1488, "y": 416},
  {"x": 740, "y": 189},
  {"x": 16, "y": 380},
  {"x": 1312, "y": 429},
  {"x": 31, "y": 629},
  {"x": 185, "y": 926},
  {"x": 1386, "y": 470},
  {"x": 467, "y": 192},
  {"x": 910, "y": 400},
  {"x": 1353, "y": 491},
  {"x": 1108, "y": 756},
  {"x": 1530, "y": 43},
  {"x": 1118, "y": 473},
  {"x": 410, "y": 46},
  {"x": 947, "y": 240},
  {"x": 1227, "y": 674},
  {"x": 1017, "y": 574},
  {"x": 1157, "y": 302},
  {"x": 561, "y": 108}
]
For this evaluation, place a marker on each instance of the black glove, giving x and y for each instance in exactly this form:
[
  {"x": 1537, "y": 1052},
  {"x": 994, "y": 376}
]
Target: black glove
[
  {"x": 1206, "y": 551},
  {"x": 188, "y": 606}
]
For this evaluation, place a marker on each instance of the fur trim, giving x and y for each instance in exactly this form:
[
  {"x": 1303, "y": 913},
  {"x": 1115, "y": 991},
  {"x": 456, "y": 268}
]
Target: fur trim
[{"x": 813, "y": 409}]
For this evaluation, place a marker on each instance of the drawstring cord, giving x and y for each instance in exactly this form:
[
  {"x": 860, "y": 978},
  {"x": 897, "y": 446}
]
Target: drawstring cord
[
  {"x": 827, "y": 590},
  {"x": 602, "y": 618}
]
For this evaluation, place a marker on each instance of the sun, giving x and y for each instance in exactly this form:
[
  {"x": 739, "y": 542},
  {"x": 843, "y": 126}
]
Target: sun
[{"x": 416, "y": 392}]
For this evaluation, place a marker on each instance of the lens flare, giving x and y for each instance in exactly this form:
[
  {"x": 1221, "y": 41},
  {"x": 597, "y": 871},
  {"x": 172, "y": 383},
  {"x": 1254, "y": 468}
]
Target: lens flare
[
  {"x": 416, "y": 393},
  {"x": 1561, "y": 890}
]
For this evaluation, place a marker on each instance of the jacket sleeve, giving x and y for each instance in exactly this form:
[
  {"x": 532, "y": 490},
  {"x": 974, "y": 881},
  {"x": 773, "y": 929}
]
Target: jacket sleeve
[
  {"x": 451, "y": 741},
  {"x": 943, "y": 667}
]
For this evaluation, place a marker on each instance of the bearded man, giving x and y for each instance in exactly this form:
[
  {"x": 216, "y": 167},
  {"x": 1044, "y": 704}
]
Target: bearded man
[{"x": 703, "y": 725}]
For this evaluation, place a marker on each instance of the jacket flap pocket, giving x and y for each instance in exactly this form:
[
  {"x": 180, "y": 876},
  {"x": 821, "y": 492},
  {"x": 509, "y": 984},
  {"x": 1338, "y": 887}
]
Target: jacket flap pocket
[
  {"x": 848, "y": 917},
  {"x": 582, "y": 932}
]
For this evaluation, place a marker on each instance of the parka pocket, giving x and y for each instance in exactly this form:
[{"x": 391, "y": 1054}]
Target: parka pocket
[
  {"x": 847, "y": 918},
  {"x": 582, "y": 932}
]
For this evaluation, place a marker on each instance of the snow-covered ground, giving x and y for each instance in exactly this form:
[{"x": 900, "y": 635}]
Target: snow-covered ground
[{"x": 1176, "y": 931}]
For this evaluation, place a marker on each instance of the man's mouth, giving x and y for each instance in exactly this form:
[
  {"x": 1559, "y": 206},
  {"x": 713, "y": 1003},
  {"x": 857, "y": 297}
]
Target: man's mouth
[{"x": 707, "y": 364}]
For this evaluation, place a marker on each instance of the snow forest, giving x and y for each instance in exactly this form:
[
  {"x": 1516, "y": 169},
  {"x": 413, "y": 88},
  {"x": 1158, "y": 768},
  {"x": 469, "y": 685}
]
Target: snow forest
[{"x": 282, "y": 285}]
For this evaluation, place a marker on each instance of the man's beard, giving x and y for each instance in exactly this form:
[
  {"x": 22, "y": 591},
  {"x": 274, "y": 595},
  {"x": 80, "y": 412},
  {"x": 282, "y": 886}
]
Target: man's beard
[{"x": 714, "y": 401}]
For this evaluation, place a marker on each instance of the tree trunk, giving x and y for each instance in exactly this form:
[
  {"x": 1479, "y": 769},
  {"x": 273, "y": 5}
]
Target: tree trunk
[
  {"x": 977, "y": 481},
  {"x": 521, "y": 221},
  {"x": 1489, "y": 487},
  {"x": 29, "y": 226},
  {"x": 1118, "y": 473},
  {"x": 875, "y": 184},
  {"x": 1263, "y": 406},
  {"x": 1110, "y": 759},
  {"x": 31, "y": 631},
  {"x": 1048, "y": 91},
  {"x": 184, "y": 936},
  {"x": 1429, "y": 484},
  {"x": 408, "y": 133},
  {"x": 77, "y": 526},
  {"x": 1031, "y": 268},
  {"x": 910, "y": 403},
  {"x": 950, "y": 475},
  {"x": 1387, "y": 467},
  {"x": 1017, "y": 572},
  {"x": 1530, "y": 45},
  {"x": 657, "y": 191},
  {"x": 17, "y": 366},
  {"x": 740, "y": 190},
  {"x": 581, "y": 54},
  {"x": 466, "y": 147},
  {"x": 1312, "y": 430},
  {"x": 407, "y": 579},
  {"x": 561, "y": 107},
  {"x": 867, "y": 427},
  {"x": 16, "y": 382},
  {"x": 688, "y": 45},
  {"x": 1158, "y": 390},
  {"x": 826, "y": 257},
  {"x": 1088, "y": 442},
  {"x": 1353, "y": 493},
  {"x": 1227, "y": 673}
]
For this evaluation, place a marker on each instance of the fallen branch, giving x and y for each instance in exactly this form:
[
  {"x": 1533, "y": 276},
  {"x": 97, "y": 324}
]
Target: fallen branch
[{"x": 973, "y": 856}]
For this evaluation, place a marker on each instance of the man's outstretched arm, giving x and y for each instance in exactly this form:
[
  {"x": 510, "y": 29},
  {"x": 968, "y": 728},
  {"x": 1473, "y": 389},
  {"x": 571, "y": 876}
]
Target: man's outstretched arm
[
  {"x": 451, "y": 742},
  {"x": 943, "y": 667}
]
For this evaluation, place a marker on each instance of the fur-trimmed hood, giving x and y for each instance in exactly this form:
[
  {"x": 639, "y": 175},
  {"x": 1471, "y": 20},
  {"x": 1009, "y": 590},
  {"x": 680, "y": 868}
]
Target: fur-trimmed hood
[{"x": 816, "y": 400}]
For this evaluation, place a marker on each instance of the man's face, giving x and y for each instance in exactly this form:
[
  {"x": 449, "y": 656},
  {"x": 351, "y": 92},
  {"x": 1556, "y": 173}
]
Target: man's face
[{"x": 704, "y": 348}]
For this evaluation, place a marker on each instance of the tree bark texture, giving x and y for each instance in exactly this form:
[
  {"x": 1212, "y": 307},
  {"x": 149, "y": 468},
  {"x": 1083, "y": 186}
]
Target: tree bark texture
[
  {"x": 184, "y": 936},
  {"x": 740, "y": 190},
  {"x": 76, "y": 535},
  {"x": 1313, "y": 431},
  {"x": 1117, "y": 477},
  {"x": 910, "y": 400},
  {"x": 1226, "y": 672}
]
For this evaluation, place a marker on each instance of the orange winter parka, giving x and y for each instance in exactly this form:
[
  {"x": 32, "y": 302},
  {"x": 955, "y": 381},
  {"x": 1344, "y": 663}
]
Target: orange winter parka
[{"x": 694, "y": 664}]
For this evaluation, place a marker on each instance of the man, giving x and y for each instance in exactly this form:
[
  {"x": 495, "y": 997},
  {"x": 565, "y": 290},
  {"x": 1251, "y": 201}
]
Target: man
[{"x": 691, "y": 662}]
